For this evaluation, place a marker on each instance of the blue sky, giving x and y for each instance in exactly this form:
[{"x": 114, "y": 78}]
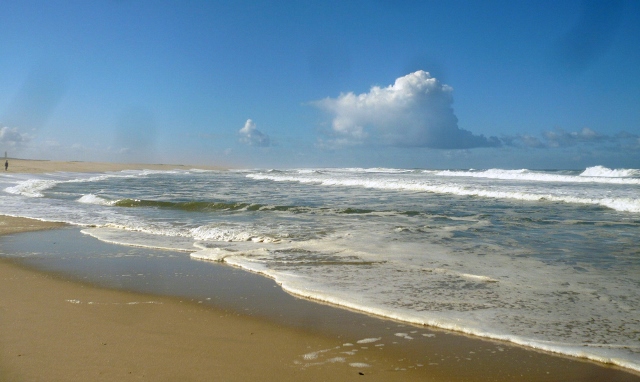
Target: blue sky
[{"x": 431, "y": 84}]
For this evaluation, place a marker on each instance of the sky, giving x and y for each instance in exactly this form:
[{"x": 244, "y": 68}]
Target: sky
[{"x": 284, "y": 84}]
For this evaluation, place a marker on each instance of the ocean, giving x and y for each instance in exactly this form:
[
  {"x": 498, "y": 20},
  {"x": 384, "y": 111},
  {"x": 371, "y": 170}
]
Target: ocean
[{"x": 545, "y": 259}]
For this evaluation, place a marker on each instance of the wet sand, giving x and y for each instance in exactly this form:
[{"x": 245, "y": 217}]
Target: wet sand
[
  {"x": 57, "y": 325},
  {"x": 60, "y": 330}
]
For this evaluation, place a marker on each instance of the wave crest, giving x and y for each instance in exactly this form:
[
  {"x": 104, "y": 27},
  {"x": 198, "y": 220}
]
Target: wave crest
[
  {"x": 94, "y": 199},
  {"x": 32, "y": 188},
  {"x": 596, "y": 174},
  {"x": 604, "y": 172}
]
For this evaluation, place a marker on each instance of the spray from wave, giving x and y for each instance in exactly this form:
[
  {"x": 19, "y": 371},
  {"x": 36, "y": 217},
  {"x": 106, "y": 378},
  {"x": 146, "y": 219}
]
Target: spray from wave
[{"x": 600, "y": 171}]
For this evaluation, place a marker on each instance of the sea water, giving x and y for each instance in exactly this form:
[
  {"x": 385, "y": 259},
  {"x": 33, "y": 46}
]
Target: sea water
[{"x": 545, "y": 259}]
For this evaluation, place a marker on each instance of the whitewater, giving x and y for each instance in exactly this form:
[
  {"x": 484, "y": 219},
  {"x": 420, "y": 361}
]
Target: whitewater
[{"x": 544, "y": 259}]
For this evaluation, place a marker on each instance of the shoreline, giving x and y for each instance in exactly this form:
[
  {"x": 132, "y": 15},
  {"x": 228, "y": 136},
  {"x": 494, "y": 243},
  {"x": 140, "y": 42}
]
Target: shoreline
[
  {"x": 457, "y": 344},
  {"x": 78, "y": 331},
  {"x": 307, "y": 346}
]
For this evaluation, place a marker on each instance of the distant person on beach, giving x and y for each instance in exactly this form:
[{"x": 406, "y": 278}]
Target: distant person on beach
[{"x": 6, "y": 165}]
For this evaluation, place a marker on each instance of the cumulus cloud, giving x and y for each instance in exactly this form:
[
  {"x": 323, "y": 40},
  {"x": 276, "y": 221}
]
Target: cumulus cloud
[
  {"x": 10, "y": 136},
  {"x": 250, "y": 135},
  {"x": 414, "y": 111}
]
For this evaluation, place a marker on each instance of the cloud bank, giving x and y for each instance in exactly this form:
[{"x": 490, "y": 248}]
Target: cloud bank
[
  {"x": 250, "y": 135},
  {"x": 413, "y": 112},
  {"x": 10, "y": 136},
  {"x": 559, "y": 138}
]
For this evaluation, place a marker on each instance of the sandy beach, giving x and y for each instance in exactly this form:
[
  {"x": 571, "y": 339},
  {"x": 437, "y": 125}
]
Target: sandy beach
[
  {"x": 55, "y": 327},
  {"x": 43, "y": 166}
]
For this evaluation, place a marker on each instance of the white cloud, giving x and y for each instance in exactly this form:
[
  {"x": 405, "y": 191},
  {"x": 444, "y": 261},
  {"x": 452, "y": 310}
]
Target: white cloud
[
  {"x": 250, "y": 135},
  {"x": 10, "y": 136},
  {"x": 414, "y": 111}
]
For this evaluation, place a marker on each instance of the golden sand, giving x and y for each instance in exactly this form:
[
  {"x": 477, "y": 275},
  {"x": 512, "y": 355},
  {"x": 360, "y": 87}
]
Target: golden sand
[{"x": 43, "y": 166}]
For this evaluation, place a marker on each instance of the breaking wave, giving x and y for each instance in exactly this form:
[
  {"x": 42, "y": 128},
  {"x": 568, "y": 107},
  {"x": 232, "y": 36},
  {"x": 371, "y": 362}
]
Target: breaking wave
[
  {"x": 623, "y": 204},
  {"x": 600, "y": 171},
  {"x": 596, "y": 174}
]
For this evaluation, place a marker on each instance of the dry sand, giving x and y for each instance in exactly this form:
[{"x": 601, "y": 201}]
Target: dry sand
[
  {"x": 55, "y": 329},
  {"x": 42, "y": 166}
]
